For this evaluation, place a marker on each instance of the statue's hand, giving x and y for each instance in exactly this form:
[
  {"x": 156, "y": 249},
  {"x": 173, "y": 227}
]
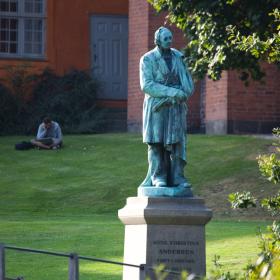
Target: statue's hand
[
  {"x": 162, "y": 103},
  {"x": 173, "y": 101},
  {"x": 180, "y": 96}
]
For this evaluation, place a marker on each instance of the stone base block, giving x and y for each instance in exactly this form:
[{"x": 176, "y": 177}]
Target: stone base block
[
  {"x": 165, "y": 191},
  {"x": 216, "y": 127},
  {"x": 169, "y": 231}
]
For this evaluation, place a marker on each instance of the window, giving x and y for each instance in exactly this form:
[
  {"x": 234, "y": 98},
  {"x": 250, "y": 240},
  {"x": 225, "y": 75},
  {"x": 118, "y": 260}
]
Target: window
[{"x": 22, "y": 28}]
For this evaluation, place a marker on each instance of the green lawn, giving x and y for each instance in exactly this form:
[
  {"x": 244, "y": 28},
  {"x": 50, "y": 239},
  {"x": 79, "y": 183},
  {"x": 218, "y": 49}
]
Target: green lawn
[
  {"x": 67, "y": 200},
  {"x": 101, "y": 236}
]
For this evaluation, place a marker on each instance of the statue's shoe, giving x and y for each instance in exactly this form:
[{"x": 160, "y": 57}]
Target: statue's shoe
[
  {"x": 160, "y": 184},
  {"x": 184, "y": 185}
]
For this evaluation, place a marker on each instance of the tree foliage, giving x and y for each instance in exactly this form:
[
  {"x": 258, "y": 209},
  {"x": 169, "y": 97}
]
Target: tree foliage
[{"x": 226, "y": 34}]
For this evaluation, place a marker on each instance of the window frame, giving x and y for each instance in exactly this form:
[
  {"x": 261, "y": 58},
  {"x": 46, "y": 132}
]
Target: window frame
[{"x": 21, "y": 16}]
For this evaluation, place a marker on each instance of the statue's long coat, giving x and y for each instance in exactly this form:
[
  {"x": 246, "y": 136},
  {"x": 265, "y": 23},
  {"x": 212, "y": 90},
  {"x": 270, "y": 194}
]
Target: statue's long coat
[{"x": 168, "y": 125}]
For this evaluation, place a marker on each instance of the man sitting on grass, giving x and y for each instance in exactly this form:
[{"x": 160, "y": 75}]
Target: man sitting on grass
[{"x": 49, "y": 135}]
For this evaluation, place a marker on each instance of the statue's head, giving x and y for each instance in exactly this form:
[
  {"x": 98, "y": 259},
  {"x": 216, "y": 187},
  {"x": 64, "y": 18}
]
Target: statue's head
[{"x": 163, "y": 38}]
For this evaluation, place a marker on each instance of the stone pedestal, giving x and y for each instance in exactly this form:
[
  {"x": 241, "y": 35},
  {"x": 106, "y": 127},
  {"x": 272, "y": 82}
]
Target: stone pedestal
[{"x": 164, "y": 230}]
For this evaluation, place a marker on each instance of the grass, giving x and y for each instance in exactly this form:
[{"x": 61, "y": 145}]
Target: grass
[
  {"x": 67, "y": 200},
  {"x": 101, "y": 236},
  {"x": 95, "y": 173}
]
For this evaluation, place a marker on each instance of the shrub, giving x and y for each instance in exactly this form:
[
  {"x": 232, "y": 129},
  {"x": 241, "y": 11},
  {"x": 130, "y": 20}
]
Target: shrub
[
  {"x": 8, "y": 112},
  {"x": 267, "y": 265},
  {"x": 15, "y": 96},
  {"x": 68, "y": 99},
  {"x": 19, "y": 80}
]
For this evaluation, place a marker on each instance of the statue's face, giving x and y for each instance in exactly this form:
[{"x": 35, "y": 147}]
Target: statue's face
[{"x": 165, "y": 39}]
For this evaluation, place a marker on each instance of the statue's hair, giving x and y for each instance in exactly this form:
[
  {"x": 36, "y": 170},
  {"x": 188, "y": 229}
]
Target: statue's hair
[{"x": 157, "y": 34}]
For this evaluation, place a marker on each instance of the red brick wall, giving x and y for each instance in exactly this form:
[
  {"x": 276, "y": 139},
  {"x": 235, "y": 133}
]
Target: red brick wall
[
  {"x": 137, "y": 46},
  {"x": 143, "y": 22},
  {"x": 194, "y": 110},
  {"x": 216, "y": 105},
  {"x": 231, "y": 107},
  {"x": 256, "y": 108}
]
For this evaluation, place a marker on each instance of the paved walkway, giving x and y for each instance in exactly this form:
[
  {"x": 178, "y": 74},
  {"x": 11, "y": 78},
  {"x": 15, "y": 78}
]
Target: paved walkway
[{"x": 264, "y": 136}]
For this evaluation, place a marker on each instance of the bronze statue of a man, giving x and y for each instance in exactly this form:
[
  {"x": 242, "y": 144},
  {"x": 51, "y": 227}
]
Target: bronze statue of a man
[{"x": 167, "y": 84}]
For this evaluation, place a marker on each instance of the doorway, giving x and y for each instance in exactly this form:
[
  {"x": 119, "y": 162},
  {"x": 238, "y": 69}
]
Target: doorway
[{"x": 109, "y": 55}]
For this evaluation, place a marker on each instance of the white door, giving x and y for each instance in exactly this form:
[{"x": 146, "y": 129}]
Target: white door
[{"x": 109, "y": 55}]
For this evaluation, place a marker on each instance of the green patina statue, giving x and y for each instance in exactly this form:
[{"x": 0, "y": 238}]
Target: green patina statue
[{"x": 167, "y": 84}]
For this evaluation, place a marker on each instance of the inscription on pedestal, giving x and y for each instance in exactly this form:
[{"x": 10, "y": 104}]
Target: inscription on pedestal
[
  {"x": 176, "y": 254},
  {"x": 179, "y": 248}
]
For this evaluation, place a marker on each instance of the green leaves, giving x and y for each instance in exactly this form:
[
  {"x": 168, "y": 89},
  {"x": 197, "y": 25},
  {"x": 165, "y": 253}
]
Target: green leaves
[
  {"x": 272, "y": 204},
  {"x": 269, "y": 165},
  {"x": 267, "y": 265},
  {"x": 261, "y": 45},
  {"x": 242, "y": 200},
  {"x": 224, "y": 35}
]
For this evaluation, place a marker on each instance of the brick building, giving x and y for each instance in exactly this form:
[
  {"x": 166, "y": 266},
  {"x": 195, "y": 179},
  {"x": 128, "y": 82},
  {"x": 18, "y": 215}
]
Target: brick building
[{"x": 108, "y": 38}]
